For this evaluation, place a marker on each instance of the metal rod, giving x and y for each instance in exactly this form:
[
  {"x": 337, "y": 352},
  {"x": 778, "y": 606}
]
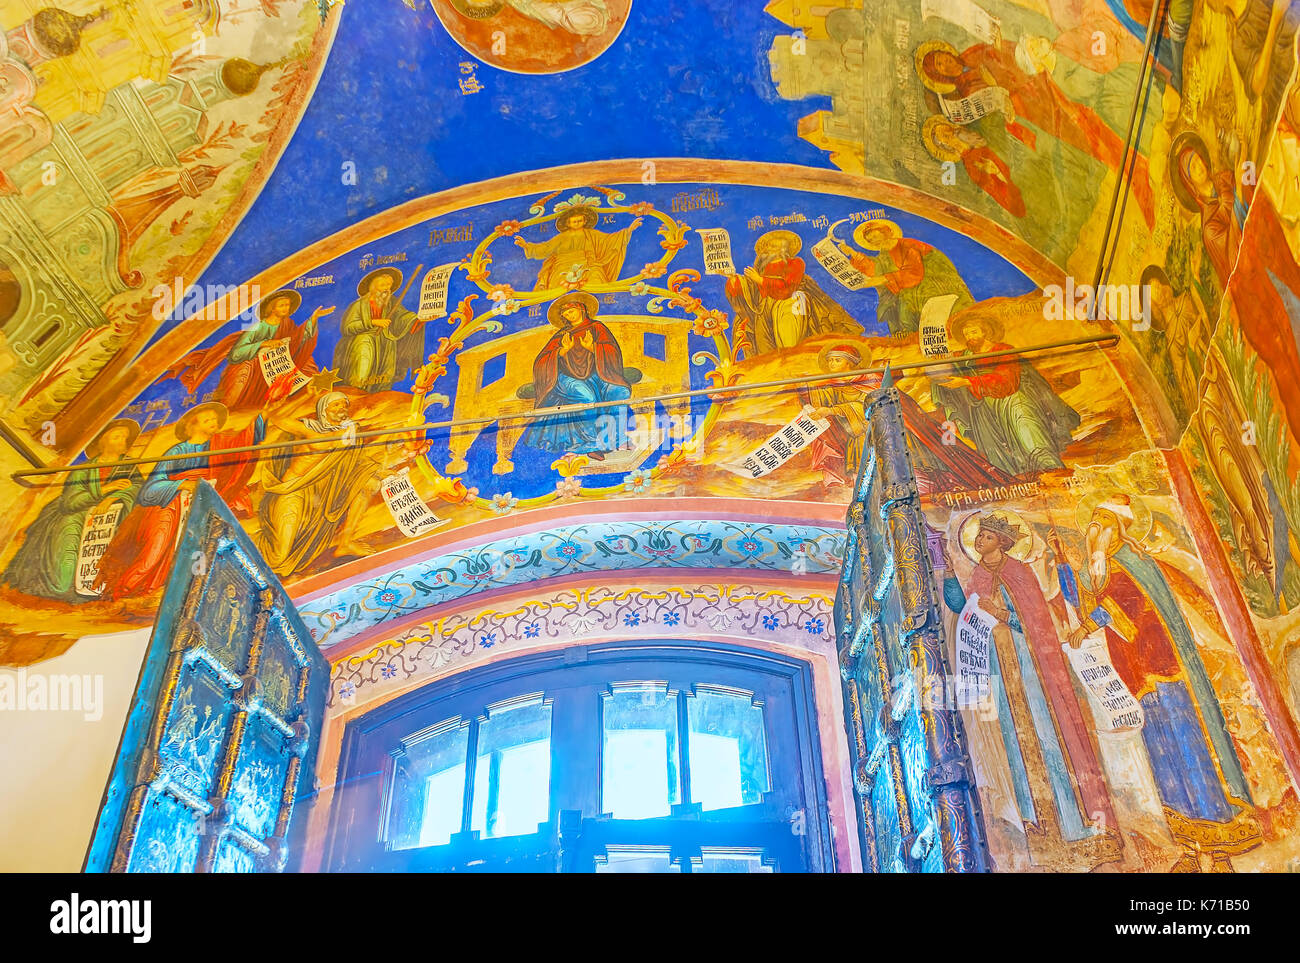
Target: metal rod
[
  {"x": 19, "y": 445},
  {"x": 1124, "y": 176},
  {"x": 1106, "y": 340}
]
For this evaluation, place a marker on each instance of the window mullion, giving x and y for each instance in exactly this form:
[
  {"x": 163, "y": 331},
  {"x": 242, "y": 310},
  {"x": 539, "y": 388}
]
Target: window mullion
[
  {"x": 471, "y": 767},
  {"x": 684, "y": 745}
]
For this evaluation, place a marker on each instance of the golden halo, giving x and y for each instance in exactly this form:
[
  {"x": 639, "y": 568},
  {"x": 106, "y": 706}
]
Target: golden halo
[
  {"x": 363, "y": 286},
  {"x": 582, "y": 297},
  {"x": 861, "y": 350},
  {"x": 991, "y": 325},
  {"x": 860, "y": 232},
  {"x": 130, "y": 424},
  {"x": 183, "y": 426},
  {"x": 270, "y": 299},
  {"x": 1137, "y": 529},
  {"x": 590, "y": 217},
  {"x": 924, "y": 50},
  {"x": 970, "y": 526},
  {"x": 932, "y": 145},
  {"x": 793, "y": 242},
  {"x": 1187, "y": 140}
]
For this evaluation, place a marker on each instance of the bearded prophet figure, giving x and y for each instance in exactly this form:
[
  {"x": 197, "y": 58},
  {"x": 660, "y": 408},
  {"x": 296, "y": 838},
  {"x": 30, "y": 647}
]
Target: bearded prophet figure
[
  {"x": 381, "y": 340},
  {"x": 1007, "y": 407},
  {"x": 315, "y": 494},
  {"x": 242, "y": 385},
  {"x": 1128, "y": 596},
  {"x": 581, "y": 364},
  {"x": 906, "y": 274},
  {"x": 838, "y": 452},
  {"x": 1044, "y": 729},
  {"x": 783, "y": 305},
  {"x": 138, "y": 559},
  {"x": 579, "y": 252},
  {"x": 46, "y": 563}
]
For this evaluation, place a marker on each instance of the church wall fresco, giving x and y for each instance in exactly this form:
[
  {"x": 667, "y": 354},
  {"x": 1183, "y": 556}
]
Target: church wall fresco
[
  {"x": 134, "y": 141},
  {"x": 1146, "y": 492}
]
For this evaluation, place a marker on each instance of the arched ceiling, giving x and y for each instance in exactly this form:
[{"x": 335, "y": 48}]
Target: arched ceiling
[{"x": 304, "y": 146}]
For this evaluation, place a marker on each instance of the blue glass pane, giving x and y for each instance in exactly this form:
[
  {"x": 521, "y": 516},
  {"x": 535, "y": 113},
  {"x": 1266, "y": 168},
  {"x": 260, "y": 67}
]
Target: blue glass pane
[
  {"x": 427, "y": 800},
  {"x": 639, "y": 777},
  {"x": 728, "y": 749},
  {"x": 512, "y": 773},
  {"x": 637, "y": 859}
]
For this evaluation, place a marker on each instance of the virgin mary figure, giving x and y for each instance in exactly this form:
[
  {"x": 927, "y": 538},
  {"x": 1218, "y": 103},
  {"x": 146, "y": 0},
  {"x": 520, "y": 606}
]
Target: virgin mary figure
[{"x": 581, "y": 364}]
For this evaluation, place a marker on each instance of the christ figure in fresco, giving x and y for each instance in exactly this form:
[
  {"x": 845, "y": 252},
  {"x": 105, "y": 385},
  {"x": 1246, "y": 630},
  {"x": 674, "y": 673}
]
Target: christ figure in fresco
[
  {"x": 838, "y": 452},
  {"x": 242, "y": 385},
  {"x": 1006, "y": 407},
  {"x": 1128, "y": 596},
  {"x": 138, "y": 559},
  {"x": 1045, "y": 729},
  {"x": 579, "y": 254},
  {"x": 782, "y": 304},
  {"x": 580, "y": 364}
]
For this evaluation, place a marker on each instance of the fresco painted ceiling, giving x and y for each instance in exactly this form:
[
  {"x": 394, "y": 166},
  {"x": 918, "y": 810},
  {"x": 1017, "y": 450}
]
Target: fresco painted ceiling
[
  {"x": 751, "y": 191},
  {"x": 488, "y": 297}
]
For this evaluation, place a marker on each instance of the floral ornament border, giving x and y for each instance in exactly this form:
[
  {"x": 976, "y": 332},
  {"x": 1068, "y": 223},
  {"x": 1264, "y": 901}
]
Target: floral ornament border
[
  {"x": 589, "y": 548},
  {"x": 705, "y": 322},
  {"x": 461, "y": 639}
]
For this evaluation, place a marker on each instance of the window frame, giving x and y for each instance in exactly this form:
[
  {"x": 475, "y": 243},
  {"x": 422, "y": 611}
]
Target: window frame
[{"x": 574, "y": 679}]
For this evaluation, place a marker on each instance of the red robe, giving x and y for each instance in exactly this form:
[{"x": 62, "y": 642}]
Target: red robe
[
  {"x": 242, "y": 384},
  {"x": 138, "y": 560},
  {"x": 997, "y": 378},
  {"x": 606, "y": 360},
  {"x": 998, "y": 186},
  {"x": 780, "y": 279},
  {"x": 1049, "y": 658}
]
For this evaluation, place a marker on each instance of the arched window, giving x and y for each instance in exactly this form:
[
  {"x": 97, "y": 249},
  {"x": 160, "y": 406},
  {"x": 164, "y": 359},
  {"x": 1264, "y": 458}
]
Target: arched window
[{"x": 663, "y": 757}]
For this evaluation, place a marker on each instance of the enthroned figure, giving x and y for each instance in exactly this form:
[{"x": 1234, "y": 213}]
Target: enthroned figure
[
  {"x": 578, "y": 251},
  {"x": 580, "y": 364}
]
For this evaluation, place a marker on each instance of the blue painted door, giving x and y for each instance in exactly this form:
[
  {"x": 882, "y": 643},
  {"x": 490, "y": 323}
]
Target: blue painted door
[{"x": 222, "y": 735}]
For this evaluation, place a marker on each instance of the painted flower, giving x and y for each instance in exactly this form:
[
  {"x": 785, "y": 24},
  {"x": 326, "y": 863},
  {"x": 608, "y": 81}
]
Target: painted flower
[
  {"x": 569, "y": 548},
  {"x": 503, "y": 504},
  {"x": 770, "y": 622},
  {"x": 388, "y": 670},
  {"x": 487, "y": 641},
  {"x": 642, "y": 208},
  {"x": 577, "y": 200},
  {"x": 508, "y": 307},
  {"x": 710, "y": 323},
  {"x": 632, "y": 619},
  {"x": 655, "y": 270},
  {"x": 568, "y": 487},
  {"x": 347, "y": 690},
  {"x": 638, "y": 289},
  {"x": 638, "y": 480},
  {"x": 502, "y": 292},
  {"x": 750, "y": 547},
  {"x": 672, "y": 618},
  {"x": 507, "y": 228},
  {"x": 532, "y": 631},
  {"x": 814, "y": 626},
  {"x": 388, "y": 597}
]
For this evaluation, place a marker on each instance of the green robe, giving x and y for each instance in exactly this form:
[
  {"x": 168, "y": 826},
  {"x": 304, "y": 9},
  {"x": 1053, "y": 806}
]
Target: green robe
[
  {"x": 46, "y": 562},
  {"x": 373, "y": 358}
]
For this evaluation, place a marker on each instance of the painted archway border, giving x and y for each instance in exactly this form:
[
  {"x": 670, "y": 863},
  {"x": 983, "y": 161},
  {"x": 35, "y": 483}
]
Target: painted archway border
[
  {"x": 94, "y": 408},
  {"x": 588, "y": 541},
  {"x": 619, "y": 610}
]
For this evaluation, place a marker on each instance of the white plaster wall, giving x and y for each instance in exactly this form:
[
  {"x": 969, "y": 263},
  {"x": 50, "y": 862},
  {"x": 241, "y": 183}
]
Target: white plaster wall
[{"x": 54, "y": 764}]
